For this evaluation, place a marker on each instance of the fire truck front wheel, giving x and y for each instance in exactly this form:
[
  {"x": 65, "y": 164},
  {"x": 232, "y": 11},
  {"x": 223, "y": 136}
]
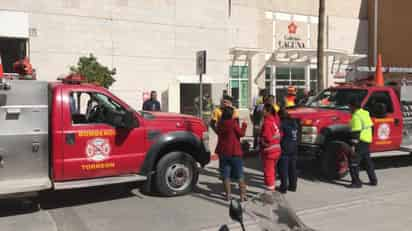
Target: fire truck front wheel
[
  {"x": 334, "y": 160},
  {"x": 176, "y": 174}
]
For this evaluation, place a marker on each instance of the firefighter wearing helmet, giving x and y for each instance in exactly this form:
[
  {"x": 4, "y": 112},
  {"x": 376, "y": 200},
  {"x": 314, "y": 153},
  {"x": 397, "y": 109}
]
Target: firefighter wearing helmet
[{"x": 290, "y": 99}]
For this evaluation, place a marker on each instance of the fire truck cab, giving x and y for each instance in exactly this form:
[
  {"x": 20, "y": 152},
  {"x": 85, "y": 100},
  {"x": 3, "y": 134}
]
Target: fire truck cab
[
  {"x": 325, "y": 131},
  {"x": 68, "y": 134}
]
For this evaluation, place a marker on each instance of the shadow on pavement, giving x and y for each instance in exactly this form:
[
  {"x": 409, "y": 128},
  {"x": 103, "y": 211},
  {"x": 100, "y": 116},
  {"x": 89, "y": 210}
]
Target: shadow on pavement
[
  {"x": 213, "y": 191},
  {"x": 59, "y": 199},
  {"x": 66, "y": 198},
  {"x": 13, "y": 207},
  {"x": 310, "y": 170},
  {"x": 392, "y": 162}
]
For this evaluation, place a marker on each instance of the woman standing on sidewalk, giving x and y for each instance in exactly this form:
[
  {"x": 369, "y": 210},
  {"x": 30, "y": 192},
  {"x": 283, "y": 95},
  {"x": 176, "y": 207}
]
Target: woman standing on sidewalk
[
  {"x": 230, "y": 151},
  {"x": 270, "y": 145}
]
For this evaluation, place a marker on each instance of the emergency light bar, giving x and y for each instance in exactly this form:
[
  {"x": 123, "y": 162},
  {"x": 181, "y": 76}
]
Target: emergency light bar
[{"x": 73, "y": 79}]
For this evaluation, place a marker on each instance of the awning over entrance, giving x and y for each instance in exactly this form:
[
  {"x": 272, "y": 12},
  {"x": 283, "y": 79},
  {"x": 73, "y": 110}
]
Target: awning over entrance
[
  {"x": 308, "y": 56},
  {"x": 14, "y": 24},
  {"x": 244, "y": 51}
]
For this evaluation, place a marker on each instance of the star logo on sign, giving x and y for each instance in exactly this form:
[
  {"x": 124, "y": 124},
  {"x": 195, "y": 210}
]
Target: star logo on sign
[{"x": 292, "y": 28}]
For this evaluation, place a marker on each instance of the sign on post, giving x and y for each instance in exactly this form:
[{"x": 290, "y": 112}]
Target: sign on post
[
  {"x": 201, "y": 62},
  {"x": 200, "y": 70}
]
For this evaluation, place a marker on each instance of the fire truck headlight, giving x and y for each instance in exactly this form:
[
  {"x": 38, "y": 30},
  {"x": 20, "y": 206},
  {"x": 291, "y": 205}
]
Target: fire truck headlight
[
  {"x": 309, "y": 135},
  {"x": 309, "y": 130}
]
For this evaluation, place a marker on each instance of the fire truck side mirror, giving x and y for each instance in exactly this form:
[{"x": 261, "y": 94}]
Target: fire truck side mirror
[
  {"x": 125, "y": 120},
  {"x": 3, "y": 100},
  {"x": 130, "y": 120}
]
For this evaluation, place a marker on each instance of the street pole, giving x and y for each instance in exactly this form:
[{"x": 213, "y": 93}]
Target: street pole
[
  {"x": 321, "y": 38},
  {"x": 375, "y": 33},
  {"x": 200, "y": 96},
  {"x": 201, "y": 69}
]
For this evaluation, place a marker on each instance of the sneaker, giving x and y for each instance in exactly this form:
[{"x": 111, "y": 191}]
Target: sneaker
[
  {"x": 281, "y": 189},
  {"x": 355, "y": 185},
  {"x": 270, "y": 188},
  {"x": 292, "y": 189}
]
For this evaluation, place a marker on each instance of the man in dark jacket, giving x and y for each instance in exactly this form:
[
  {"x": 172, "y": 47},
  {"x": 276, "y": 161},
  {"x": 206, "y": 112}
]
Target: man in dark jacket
[
  {"x": 152, "y": 104},
  {"x": 289, "y": 145}
]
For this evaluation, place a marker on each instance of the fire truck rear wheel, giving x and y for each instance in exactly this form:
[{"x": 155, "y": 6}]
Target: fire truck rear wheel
[
  {"x": 334, "y": 161},
  {"x": 176, "y": 174}
]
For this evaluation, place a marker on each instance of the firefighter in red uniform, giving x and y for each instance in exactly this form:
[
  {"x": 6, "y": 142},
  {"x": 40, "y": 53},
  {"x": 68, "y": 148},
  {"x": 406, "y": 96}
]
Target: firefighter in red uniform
[
  {"x": 290, "y": 99},
  {"x": 270, "y": 146}
]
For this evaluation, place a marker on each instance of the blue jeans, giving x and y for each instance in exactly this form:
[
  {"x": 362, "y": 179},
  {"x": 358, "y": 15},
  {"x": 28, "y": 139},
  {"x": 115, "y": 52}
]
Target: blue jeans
[{"x": 232, "y": 167}]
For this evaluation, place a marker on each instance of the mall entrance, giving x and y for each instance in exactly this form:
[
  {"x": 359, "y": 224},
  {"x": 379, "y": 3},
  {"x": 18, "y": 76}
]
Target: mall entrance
[{"x": 279, "y": 77}]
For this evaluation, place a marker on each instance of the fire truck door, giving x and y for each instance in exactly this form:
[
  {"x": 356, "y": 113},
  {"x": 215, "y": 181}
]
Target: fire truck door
[
  {"x": 93, "y": 147},
  {"x": 387, "y": 130}
]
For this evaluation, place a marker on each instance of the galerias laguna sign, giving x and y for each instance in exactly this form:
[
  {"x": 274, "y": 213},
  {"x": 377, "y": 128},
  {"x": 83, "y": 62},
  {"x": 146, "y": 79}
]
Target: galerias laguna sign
[{"x": 291, "y": 40}]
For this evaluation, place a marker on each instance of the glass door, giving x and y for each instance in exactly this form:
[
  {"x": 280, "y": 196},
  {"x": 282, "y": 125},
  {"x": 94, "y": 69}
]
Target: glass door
[{"x": 286, "y": 76}]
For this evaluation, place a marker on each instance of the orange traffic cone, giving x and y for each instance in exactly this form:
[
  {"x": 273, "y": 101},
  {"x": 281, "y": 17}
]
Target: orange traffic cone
[
  {"x": 1, "y": 69},
  {"x": 378, "y": 73}
]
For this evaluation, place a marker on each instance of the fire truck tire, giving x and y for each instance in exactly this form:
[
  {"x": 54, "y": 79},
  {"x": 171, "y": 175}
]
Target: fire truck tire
[
  {"x": 334, "y": 160},
  {"x": 176, "y": 174}
]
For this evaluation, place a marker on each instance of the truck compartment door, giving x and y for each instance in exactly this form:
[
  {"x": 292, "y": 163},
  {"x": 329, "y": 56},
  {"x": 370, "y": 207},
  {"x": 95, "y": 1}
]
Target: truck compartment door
[{"x": 24, "y": 148}]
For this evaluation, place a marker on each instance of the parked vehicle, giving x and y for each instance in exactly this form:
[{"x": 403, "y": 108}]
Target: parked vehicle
[
  {"x": 325, "y": 131},
  {"x": 68, "y": 134}
]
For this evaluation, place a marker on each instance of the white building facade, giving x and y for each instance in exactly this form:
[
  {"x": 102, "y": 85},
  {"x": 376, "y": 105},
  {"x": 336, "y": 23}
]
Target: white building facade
[{"x": 152, "y": 43}]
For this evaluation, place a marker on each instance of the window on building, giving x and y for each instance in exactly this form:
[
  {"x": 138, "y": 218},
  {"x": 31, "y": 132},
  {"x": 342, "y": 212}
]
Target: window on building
[
  {"x": 239, "y": 85},
  {"x": 289, "y": 76},
  {"x": 313, "y": 80}
]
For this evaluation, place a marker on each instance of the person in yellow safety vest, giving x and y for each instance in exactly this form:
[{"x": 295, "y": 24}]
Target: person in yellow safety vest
[
  {"x": 361, "y": 136},
  {"x": 217, "y": 112},
  {"x": 291, "y": 97},
  {"x": 271, "y": 100}
]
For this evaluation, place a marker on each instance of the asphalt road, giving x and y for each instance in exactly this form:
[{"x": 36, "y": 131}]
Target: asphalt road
[{"x": 321, "y": 205}]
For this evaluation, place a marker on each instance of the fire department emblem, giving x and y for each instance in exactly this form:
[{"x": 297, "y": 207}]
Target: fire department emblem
[
  {"x": 98, "y": 149},
  {"x": 384, "y": 131}
]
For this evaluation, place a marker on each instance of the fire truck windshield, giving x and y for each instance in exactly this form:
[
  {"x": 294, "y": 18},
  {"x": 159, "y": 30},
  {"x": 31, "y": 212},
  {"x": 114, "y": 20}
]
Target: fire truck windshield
[{"x": 336, "y": 98}]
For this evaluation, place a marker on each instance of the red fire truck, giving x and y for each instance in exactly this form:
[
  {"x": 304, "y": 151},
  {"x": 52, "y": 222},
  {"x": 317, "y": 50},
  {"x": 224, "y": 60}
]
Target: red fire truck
[
  {"x": 325, "y": 131},
  {"x": 69, "y": 134}
]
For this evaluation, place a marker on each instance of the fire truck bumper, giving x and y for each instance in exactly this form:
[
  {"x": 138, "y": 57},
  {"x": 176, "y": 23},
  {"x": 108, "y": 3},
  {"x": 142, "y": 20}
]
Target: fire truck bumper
[
  {"x": 204, "y": 157},
  {"x": 308, "y": 151}
]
